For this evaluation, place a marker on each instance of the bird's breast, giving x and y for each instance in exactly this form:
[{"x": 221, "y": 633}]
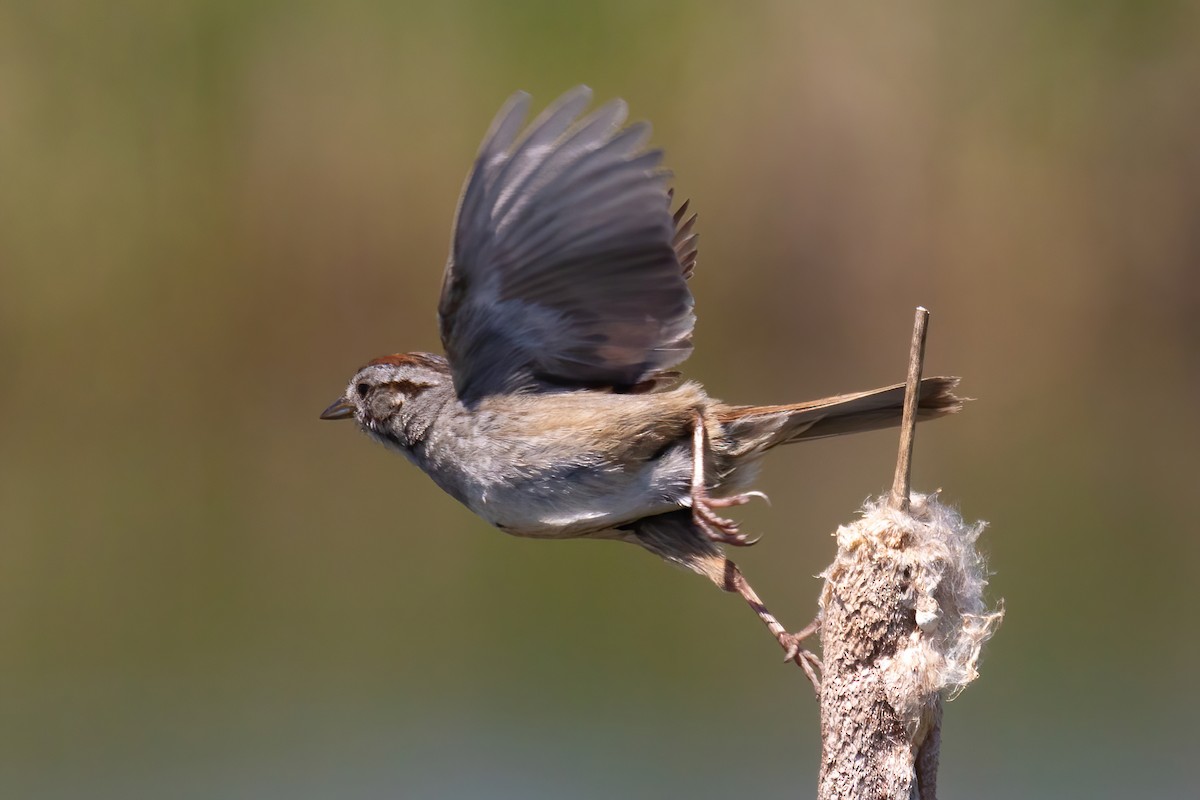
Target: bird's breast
[{"x": 566, "y": 465}]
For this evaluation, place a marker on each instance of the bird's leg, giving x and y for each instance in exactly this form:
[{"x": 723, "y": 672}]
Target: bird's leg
[
  {"x": 716, "y": 527},
  {"x": 735, "y": 581}
]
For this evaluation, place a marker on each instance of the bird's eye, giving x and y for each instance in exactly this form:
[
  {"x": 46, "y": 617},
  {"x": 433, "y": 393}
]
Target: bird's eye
[{"x": 362, "y": 389}]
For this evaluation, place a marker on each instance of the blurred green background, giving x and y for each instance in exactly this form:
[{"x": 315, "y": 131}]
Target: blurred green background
[{"x": 212, "y": 213}]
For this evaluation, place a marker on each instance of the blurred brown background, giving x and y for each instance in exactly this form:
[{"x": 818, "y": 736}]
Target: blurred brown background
[{"x": 212, "y": 213}]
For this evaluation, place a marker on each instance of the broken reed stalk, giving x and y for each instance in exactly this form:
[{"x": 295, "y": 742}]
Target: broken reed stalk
[
  {"x": 908, "y": 425},
  {"x": 903, "y": 622}
]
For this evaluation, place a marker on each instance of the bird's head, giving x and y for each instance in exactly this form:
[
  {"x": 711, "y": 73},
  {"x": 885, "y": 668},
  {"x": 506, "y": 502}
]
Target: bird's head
[{"x": 381, "y": 395}]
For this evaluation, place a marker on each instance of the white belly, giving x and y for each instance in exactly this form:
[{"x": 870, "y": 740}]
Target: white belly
[{"x": 585, "y": 499}]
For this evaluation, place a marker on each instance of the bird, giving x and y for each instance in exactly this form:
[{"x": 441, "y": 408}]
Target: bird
[{"x": 557, "y": 411}]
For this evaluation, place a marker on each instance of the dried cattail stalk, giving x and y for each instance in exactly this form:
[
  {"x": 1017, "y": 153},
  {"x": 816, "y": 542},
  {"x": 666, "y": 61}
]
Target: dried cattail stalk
[{"x": 904, "y": 621}]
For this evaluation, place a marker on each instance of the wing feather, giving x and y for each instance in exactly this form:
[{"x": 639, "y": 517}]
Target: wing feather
[{"x": 567, "y": 268}]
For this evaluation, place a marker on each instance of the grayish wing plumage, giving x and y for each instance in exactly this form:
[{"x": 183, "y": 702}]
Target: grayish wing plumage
[{"x": 566, "y": 266}]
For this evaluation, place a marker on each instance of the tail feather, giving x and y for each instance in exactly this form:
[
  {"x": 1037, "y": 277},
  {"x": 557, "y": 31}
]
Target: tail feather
[{"x": 764, "y": 427}]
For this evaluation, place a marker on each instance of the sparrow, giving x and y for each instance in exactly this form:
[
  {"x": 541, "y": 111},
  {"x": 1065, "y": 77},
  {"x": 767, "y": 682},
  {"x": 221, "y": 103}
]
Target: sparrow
[{"x": 556, "y": 411}]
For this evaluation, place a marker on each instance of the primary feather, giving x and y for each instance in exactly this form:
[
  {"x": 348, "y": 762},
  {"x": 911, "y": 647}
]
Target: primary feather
[{"x": 567, "y": 267}]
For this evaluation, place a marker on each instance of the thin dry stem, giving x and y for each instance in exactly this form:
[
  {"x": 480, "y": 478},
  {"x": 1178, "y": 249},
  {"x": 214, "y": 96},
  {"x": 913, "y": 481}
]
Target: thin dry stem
[
  {"x": 908, "y": 426},
  {"x": 903, "y": 624}
]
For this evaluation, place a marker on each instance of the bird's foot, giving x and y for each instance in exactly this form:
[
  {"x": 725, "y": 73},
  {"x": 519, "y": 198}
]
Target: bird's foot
[
  {"x": 807, "y": 660},
  {"x": 716, "y": 527},
  {"x": 733, "y": 580}
]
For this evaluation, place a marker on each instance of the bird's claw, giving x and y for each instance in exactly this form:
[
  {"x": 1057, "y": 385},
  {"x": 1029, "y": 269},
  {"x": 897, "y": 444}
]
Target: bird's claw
[
  {"x": 716, "y": 527},
  {"x": 804, "y": 658},
  {"x": 735, "y": 500}
]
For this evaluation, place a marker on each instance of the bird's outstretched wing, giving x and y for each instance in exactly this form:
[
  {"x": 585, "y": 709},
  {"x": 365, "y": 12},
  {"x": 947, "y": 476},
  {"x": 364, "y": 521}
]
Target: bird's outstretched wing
[{"x": 567, "y": 268}]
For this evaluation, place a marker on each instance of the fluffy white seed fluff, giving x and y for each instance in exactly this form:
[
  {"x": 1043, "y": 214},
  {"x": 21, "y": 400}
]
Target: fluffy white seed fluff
[{"x": 935, "y": 548}]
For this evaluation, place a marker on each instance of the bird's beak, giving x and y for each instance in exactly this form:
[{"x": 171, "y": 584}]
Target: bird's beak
[{"x": 341, "y": 409}]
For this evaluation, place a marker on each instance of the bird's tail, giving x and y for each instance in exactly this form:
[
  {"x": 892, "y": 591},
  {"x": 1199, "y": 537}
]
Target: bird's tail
[{"x": 758, "y": 428}]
